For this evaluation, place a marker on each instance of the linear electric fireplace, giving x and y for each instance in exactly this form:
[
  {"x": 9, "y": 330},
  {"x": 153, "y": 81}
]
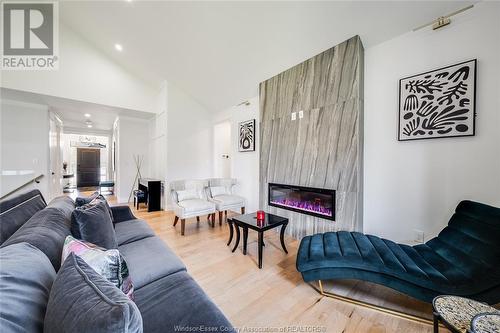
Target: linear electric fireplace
[{"x": 307, "y": 200}]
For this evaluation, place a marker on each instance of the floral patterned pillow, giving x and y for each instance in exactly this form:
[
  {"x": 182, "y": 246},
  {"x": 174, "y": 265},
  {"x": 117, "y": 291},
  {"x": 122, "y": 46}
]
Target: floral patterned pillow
[{"x": 108, "y": 263}]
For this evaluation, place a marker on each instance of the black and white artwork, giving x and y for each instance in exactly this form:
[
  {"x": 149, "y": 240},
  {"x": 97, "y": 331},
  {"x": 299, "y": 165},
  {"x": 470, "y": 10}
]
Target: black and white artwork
[
  {"x": 247, "y": 135},
  {"x": 439, "y": 103}
]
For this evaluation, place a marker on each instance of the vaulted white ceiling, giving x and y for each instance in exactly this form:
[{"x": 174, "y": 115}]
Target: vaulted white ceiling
[
  {"x": 72, "y": 112},
  {"x": 218, "y": 52}
]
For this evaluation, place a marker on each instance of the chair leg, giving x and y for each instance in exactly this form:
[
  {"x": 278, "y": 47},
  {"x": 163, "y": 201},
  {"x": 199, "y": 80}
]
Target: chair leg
[
  {"x": 176, "y": 219},
  {"x": 220, "y": 218},
  {"x": 225, "y": 215},
  {"x": 183, "y": 226},
  {"x": 213, "y": 220},
  {"x": 435, "y": 319},
  {"x": 197, "y": 219},
  {"x": 242, "y": 210}
]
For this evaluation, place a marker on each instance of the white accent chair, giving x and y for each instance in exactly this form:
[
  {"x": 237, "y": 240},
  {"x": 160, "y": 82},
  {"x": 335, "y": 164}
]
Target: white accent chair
[
  {"x": 220, "y": 192},
  {"x": 190, "y": 200}
]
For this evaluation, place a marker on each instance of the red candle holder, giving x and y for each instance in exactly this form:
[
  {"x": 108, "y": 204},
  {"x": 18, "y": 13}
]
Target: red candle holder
[{"x": 261, "y": 215}]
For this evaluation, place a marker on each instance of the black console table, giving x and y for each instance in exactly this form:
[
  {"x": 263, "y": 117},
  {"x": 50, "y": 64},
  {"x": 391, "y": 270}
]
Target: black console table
[
  {"x": 152, "y": 191},
  {"x": 249, "y": 221}
]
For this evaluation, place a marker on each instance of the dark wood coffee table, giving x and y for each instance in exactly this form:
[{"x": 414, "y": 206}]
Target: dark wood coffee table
[{"x": 249, "y": 221}]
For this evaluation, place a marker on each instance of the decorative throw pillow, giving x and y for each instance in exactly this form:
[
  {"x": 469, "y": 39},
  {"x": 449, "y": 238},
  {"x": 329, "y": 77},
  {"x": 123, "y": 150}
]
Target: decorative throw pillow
[
  {"x": 109, "y": 263},
  {"x": 80, "y": 201},
  {"x": 93, "y": 224},
  {"x": 26, "y": 276},
  {"x": 81, "y": 300},
  {"x": 187, "y": 195},
  {"x": 217, "y": 190},
  {"x": 97, "y": 200}
]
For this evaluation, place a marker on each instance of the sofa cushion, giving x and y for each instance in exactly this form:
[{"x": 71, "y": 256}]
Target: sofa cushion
[
  {"x": 150, "y": 259},
  {"x": 16, "y": 211},
  {"x": 218, "y": 190},
  {"x": 229, "y": 200},
  {"x": 98, "y": 199},
  {"x": 187, "y": 195},
  {"x": 192, "y": 307},
  {"x": 195, "y": 205},
  {"x": 131, "y": 231},
  {"x": 93, "y": 224},
  {"x": 93, "y": 199},
  {"x": 47, "y": 230},
  {"x": 108, "y": 263},
  {"x": 26, "y": 277},
  {"x": 81, "y": 300}
]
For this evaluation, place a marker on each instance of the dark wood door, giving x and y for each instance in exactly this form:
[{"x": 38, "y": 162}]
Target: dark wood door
[{"x": 88, "y": 162}]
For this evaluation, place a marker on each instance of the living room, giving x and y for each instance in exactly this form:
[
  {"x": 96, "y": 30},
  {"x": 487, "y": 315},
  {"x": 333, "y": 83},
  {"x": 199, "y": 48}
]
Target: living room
[{"x": 250, "y": 166}]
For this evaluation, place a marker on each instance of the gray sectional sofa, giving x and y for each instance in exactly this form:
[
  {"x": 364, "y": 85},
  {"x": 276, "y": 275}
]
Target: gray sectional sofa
[{"x": 167, "y": 296}]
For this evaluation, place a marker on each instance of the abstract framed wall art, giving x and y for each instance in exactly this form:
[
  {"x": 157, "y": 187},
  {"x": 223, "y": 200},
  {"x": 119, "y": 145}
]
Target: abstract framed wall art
[
  {"x": 438, "y": 103},
  {"x": 246, "y": 130}
]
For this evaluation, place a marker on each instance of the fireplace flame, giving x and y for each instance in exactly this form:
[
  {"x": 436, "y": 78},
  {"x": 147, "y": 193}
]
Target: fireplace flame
[{"x": 314, "y": 206}]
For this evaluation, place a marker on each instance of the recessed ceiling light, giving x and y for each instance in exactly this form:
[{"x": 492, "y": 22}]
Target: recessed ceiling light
[
  {"x": 119, "y": 47},
  {"x": 89, "y": 125},
  {"x": 87, "y": 115}
]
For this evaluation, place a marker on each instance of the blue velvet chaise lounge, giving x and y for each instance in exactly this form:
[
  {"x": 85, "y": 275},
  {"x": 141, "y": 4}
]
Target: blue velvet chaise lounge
[{"x": 464, "y": 259}]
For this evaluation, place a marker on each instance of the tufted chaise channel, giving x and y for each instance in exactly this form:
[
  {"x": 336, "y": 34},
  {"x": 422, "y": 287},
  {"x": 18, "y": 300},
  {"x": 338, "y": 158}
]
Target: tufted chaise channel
[{"x": 464, "y": 259}]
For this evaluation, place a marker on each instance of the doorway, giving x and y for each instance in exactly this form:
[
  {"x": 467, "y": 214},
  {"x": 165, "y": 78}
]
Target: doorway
[
  {"x": 73, "y": 144},
  {"x": 222, "y": 149},
  {"x": 88, "y": 162},
  {"x": 55, "y": 156}
]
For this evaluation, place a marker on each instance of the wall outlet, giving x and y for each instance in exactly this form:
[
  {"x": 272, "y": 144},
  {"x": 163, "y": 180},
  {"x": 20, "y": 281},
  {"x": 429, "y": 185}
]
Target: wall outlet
[
  {"x": 301, "y": 114},
  {"x": 294, "y": 115},
  {"x": 418, "y": 236}
]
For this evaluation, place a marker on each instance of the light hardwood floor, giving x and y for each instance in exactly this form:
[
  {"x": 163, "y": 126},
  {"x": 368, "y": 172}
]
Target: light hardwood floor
[{"x": 275, "y": 296}]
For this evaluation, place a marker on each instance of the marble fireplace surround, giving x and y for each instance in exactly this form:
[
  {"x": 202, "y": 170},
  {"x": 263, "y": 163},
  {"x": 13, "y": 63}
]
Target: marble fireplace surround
[{"x": 324, "y": 148}]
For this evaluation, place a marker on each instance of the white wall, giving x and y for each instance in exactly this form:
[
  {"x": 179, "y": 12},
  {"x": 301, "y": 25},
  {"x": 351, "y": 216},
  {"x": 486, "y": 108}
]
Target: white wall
[
  {"x": 222, "y": 149},
  {"x": 158, "y": 136},
  {"x": 55, "y": 156},
  {"x": 132, "y": 139},
  {"x": 189, "y": 137},
  {"x": 417, "y": 184},
  {"x": 85, "y": 74},
  {"x": 24, "y": 146},
  {"x": 244, "y": 165}
]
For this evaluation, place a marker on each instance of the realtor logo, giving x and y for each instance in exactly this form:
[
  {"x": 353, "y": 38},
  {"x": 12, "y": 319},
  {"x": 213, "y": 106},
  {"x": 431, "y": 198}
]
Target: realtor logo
[{"x": 30, "y": 36}]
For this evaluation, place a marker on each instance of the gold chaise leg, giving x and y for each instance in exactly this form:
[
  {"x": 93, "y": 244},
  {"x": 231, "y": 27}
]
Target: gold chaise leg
[{"x": 373, "y": 306}]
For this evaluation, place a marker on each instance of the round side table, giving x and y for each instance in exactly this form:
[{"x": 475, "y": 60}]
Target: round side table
[
  {"x": 456, "y": 313},
  {"x": 486, "y": 323}
]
